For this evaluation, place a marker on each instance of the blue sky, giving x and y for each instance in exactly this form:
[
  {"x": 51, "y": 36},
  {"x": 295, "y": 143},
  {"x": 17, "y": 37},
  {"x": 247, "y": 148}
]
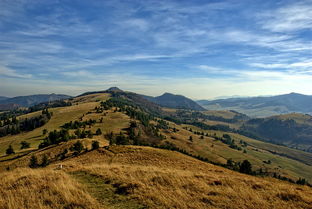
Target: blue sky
[{"x": 201, "y": 49}]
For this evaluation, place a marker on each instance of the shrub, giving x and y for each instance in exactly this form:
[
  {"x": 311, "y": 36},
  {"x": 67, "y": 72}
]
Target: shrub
[
  {"x": 45, "y": 161},
  {"x": 98, "y": 131},
  {"x": 33, "y": 162},
  {"x": 121, "y": 139},
  {"x": 25, "y": 145},
  {"x": 95, "y": 145},
  {"x": 10, "y": 150},
  {"x": 77, "y": 147},
  {"x": 245, "y": 167}
]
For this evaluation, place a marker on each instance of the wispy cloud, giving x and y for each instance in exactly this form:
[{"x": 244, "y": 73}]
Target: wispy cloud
[
  {"x": 290, "y": 18},
  {"x": 136, "y": 43},
  {"x": 7, "y": 72}
]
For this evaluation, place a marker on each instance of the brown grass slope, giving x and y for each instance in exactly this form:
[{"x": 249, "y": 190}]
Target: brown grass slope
[{"x": 144, "y": 177}]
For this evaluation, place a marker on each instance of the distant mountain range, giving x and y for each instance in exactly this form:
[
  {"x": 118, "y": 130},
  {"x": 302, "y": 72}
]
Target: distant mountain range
[
  {"x": 175, "y": 101},
  {"x": 165, "y": 100},
  {"x": 252, "y": 106},
  {"x": 3, "y": 98},
  {"x": 27, "y": 101},
  {"x": 263, "y": 106}
]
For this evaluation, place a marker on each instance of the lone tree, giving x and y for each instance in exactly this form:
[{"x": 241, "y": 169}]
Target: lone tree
[
  {"x": 191, "y": 138},
  {"x": 10, "y": 150},
  {"x": 95, "y": 145},
  {"x": 25, "y": 145},
  {"x": 44, "y": 131},
  {"x": 245, "y": 167},
  {"x": 121, "y": 139},
  {"x": 33, "y": 162},
  {"x": 98, "y": 131},
  {"x": 45, "y": 161}
]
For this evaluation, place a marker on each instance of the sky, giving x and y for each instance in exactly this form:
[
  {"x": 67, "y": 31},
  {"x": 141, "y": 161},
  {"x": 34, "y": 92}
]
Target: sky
[{"x": 201, "y": 49}]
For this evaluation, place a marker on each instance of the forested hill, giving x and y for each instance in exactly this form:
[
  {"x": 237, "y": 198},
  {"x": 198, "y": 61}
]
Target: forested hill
[
  {"x": 27, "y": 101},
  {"x": 263, "y": 106},
  {"x": 175, "y": 101}
]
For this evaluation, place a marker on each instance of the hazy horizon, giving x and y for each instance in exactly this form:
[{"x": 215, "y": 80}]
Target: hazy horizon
[
  {"x": 196, "y": 99},
  {"x": 197, "y": 49}
]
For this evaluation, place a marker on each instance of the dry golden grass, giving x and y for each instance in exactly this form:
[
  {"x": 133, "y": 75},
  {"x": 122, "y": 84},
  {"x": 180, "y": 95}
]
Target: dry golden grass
[
  {"x": 166, "y": 179},
  {"x": 144, "y": 177},
  {"x": 257, "y": 152},
  {"x": 220, "y": 113},
  {"x": 91, "y": 98},
  {"x": 42, "y": 189},
  {"x": 135, "y": 177},
  {"x": 60, "y": 116}
]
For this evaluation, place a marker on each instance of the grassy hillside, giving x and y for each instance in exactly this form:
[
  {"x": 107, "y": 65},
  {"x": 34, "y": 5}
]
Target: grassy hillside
[
  {"x": 143, "y": 177},
  {"x": 293, "y": 130},
  {"x": 284, "y": 161},
  {"x": 140, "y": 177}
]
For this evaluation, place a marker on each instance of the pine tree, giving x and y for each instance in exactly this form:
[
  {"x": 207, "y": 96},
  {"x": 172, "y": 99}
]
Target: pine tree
[
  {"x": 45, "y": 161},
  {"x": 10, "y": 150},
  {"x": 95, "y": 145},
  {"x": 77, "y": 147},
  {"x": 33, "y": 162},
  {"x": 245, "y": 167},
  {"x": 25, "y": 145},
  {"x": 98, "y": 131}
]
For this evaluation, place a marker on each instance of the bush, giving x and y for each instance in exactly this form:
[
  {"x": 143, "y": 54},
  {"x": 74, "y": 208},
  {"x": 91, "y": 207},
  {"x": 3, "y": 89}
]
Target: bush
[
  {"x": 95, "y": 145},
  {"x": 33, "y": 162},
  {"x": 10, "y": 150},
  {"x": 121, "y": 139},
  {"x": 98, "y": 131},
  {"x": 25, "y": 145},
  {"x": 62, "y": 155},
  {"x": 245, "y": 167},
  {"x": 45, "y": 161},
  {"x": 77, "y": 147}
]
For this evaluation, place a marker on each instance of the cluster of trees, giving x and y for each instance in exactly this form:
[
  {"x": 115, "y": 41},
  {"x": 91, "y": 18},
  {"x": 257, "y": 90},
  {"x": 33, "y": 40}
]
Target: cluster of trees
[
  {"x": 45, "y": 105},
  {"x": 34, "y": 163},
  {"x": 217, "y": 127},
  {"x": 129, "y": 108},
  {"x": 227, "y": 139},
  {"x": 56, "y": 137},
  {"x": 9, "y": 115},
  {"x": 122, "y": 139},
  {"x": 278, "y": 131},
  {"x": 195, "y": 115},
  {"x": 14, "y": 126},
  {"x": 161, "y": 124},
  {"x": 10, "y": 150},
  {"x": 78, "y": 124}
]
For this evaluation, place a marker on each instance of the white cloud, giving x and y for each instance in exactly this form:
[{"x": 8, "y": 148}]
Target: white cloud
[
  {"x": 4, "y": 71},
  {"x": 289, "y": 18}
]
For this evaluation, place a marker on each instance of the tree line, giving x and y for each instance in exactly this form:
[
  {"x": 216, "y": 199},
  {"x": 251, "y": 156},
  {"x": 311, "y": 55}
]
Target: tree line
[{"x": 16, "y": 126}]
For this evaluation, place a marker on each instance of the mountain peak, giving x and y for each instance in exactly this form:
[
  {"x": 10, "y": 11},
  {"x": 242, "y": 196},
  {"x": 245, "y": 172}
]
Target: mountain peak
[
  {"x": 175, "y": 101},
  {"x": 167, "y": 94},
  {"x": 115, "y": 89}
]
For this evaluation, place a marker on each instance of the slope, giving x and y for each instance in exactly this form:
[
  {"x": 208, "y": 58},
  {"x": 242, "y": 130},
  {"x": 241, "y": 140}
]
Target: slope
[
  {"x": 291, "y": 163},
  {"x": 143, "y": 177}
]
